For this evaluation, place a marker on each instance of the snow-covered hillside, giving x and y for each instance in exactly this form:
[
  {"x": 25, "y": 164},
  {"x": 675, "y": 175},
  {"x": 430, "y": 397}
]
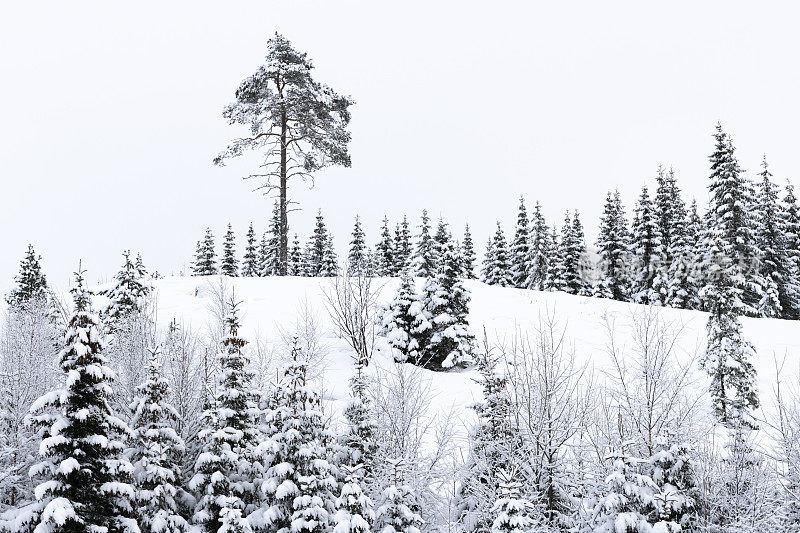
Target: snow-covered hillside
[{"x": 272, "y": 306}]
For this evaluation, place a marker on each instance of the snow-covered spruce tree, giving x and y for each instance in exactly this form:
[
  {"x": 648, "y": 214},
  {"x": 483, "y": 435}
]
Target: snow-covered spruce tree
[
  {"x": 127, "y": 295},
  {"x": 402, "y": 247},
  {"x": 320, "y": 257},
  {"x": 541, "y": 247},
  {"x": 358, "y": 440},
  {"x": 250, "y": 259},
  {"x": 298, "y": 482},
  {"x": 354, "y": 509},
  {"x": 646, "y": 246},
  {"x": 555, "y": 266},
  {"x": 205, "y": 263},
  {"x": 300, "y": 123},
  {"x": 778, "y": 265},
  {"x": 791, "y": 236},
  {"x": 85, "y": 478},
  {"x": 727, "y": 357},
  {"x": 572, "y": 257},
  {"x": 384, "y": 252},
  {"x": 675, "y": 499},
  {"x": 493, "y": 445},
  {"x": 512, "y": 512},
  {"x": 670, "y": 213},
  {"x": 269, "y": 259},
  {"x": 468, "y": 256},
  {"x": 231, "y": 520},
  {"x": 440, "y": 325},
  {"x": 627, "y": 495},
  {"x": 31, "y": 282},
  {"x": 297, "y": 266},
  {"x": 229, "y": 265},
  {"x": 224, "y": 469},
  {"x": 520, "y": 249},
  {"x": 498, "y": 262},
  {"x": 357, "y": 257},
  {"x": 155, "y": 453},
  {"x": 488, "y": 260},
  {"x": 441, "y": 239},
  {"x": 681, "y": 282},
  {"x": 397, "y": 323},
  {"x": 613, "y": 245},
  {"x": 398, "y": 509},
  {"x": 425, "y": 260},
  {"x": 731, "y": 221}
]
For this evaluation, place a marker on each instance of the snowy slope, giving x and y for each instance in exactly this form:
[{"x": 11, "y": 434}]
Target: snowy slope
[{"x": 272, "y": 305}]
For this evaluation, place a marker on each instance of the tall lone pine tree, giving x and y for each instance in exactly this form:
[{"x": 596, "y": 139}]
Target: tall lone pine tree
[{"x": 299, "y": 123}]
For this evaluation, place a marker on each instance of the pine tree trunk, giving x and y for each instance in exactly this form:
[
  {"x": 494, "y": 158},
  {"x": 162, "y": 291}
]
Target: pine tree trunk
[{"x": 284, "y": 225}]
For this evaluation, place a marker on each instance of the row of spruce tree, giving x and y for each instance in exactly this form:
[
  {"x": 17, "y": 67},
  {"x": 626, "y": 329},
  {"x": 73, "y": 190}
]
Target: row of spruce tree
[{"x": 666, "y": 256}]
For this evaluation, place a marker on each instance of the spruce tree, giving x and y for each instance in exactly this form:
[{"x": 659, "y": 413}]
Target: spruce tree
[
  {"x": 731, "y": 222},
  {"x": 398, "y": 509},
  {"x": 791, "y": 236},
  {"x": 357, "y": 258},
  {"x": 541, "y": 248},
  {"x": 498, "y": 271},
  {"x": 270, "y": 245},
  {"x": 85, "y": 477},
  {"x": 681, "y": 277},
  {"x": 320, "y": 257},
  {"x": 442, "y": 239},
  {"x": 520, "y": 249},
  {"x": 468, "y": 254},
  {"x": 31, "y": 282},
  {"x": 670, "y": 213},
  {"x": 646, "y": 247},
  {"x": 354, "y": 509},
  {"x": 672, "y": 472},
  {"x": 398, "y": 321},
  {"x": 613, "y": 245},
  {"x": 229, "y": 265},
  {"x": 205, "y": 263},
  {"x": 425, "y": 261},
  {"x": 125, "y": 297},
  {"x": 778, "y": 267},
  {"x": 224, "y": 470},
  {"x": 487, "y": 264},
  {"x": 402, "y": 247},
  {"x": 250, "y": 260},
  {"x": 624, "y": 504},
  {"x": 442, "y": 328},
  {"x": 359, "y": 438},
  {"x": 572, "y": 258},
  {"x": 297, "y": 265},
  {"x": 155, "y": 452},
  {"x": 385, "y": 265},
  {"x": 556, "y": 264},
  {"x": 512, "y": 512}
]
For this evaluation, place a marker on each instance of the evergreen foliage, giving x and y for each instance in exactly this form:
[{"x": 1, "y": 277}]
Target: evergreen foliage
[
  {"x": 205, "y": 263},
  {"x": 31, "y": 282},
  {"x": 250, "y": 260},
  {"x": 613, "y": 244},
  {"x": 357, "y": 258},
  {"x": 425, "y": 260},
  {"x": 229, "y": 265},
  {"x": 320, "y": 258},
  {"x": 385, "y": 260},
  {"x": 520, "y": 249}
]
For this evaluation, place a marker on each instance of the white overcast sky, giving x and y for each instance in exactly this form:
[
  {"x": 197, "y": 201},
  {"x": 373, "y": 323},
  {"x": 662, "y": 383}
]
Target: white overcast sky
[{"x": 110, "y": 115}]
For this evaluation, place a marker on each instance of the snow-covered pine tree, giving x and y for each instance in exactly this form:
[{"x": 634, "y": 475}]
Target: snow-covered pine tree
[
  {"x": 520, "y": 249},
  {"x": 441, "y": 327},
  {"x": 85, "y": 478},
  {"x": 320, "y": 257},
  {"x": 728, "y": 355},
  {"x": 155, "y": 454},
  {"x": 224, "y": 470},
  {"x": 613, "y": 245},
  {"x": 297, "y": 265},
  {"x": 31, "y": 282},
  {"x": 675, "y": 499},
  {"x": 298, "y": 482},
  {"x": 250, "y": 259},
  {"x": 731, "y": 221},
  {"x": 425, "y": 260},
  {"x": 127, "y": 294},
  {"x": 205, "y": 263},
  {"x": 791, "y": 236},
  {"x": 493, "y": 445},
  {"x": 402, "y": 247},
  {"x": 398, "y": 509},
  {"x": 357, "y": 257},
  {"x": 541, "y": 247},
  {"x": 512, "y": 512},
  {"x": 229, "y": 265},
  {"x": 384, "y": 252},
  {"x": 354, "y": 509},
  {"x": 627, "y": 495},
  {"x": 778, "y": 265},
  {"x": 646, "y": 246},
  {"x": 397, "y": 324},
  {"x": 498, "y": 262},
  {"x": 468, "y": 254}
]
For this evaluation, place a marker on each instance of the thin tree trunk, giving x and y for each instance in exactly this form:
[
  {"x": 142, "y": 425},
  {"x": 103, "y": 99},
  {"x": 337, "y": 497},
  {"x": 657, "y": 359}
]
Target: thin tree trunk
[{"x": 284, "y": 223}]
